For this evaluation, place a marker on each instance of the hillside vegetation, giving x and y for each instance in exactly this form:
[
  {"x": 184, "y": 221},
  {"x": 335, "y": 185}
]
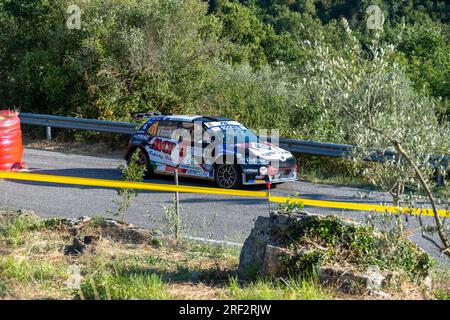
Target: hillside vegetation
[{"x": 257, "y": 61}]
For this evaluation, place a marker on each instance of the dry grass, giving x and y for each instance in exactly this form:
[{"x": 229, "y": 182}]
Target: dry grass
[{"x": 33, "y": 265}]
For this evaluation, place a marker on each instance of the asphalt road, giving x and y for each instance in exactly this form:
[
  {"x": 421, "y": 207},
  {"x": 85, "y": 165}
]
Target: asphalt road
[{"x": 207, "y": 216}]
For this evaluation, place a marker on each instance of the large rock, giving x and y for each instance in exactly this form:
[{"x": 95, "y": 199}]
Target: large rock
[
  {"x": 263, "y": 249},
  {"x": 272, "y": 263},
  {"x": 267, "y": 249},
  {"x": 110, "y": 228}
]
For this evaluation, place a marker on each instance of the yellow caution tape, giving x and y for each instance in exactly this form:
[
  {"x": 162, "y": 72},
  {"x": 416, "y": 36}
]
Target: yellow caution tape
[
  {"x": 204, "y": 190},
  {"x": 126, "y": 185},
  {"x": 362, "y": 206}
]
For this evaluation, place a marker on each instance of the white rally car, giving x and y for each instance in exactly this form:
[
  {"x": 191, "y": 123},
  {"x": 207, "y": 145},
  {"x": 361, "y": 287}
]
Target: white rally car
[{"x": 211, "y": 148}]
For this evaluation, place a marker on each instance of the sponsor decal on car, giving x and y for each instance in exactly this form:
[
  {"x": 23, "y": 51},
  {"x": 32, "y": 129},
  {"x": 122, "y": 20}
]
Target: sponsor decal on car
[
  {"x": 224, "y": 125},
  {"x": 161, "y": 145}
]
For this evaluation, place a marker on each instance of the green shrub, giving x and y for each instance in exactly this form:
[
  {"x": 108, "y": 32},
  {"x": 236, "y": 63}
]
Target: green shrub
[
  {"x": 290, "y": 206},
  {"x": 341, "y": 242}
]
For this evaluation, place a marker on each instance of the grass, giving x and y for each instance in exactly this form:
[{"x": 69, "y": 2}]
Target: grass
[
  {"x": 441, "y": 284},
  {"x": 334, "y": 171},
  {"x": 33, "y": 266},
  {"x": 344, "y": 172},
  {"x": 14, "y": 230},
  {"x": 122, "y": 286},
  {"x": 318, "y": 177},
  {"x": 41, "y": 272},
  {"x": 442, "y": 192},
  {"x": 277, "y": 289}
]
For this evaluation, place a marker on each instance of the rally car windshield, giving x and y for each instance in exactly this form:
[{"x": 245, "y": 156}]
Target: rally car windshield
[{"x": 239, "y": 135}]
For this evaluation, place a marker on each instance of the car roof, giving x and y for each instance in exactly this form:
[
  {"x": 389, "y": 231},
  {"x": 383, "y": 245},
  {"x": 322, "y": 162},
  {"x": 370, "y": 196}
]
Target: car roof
[{"x": 188, "y": 118}]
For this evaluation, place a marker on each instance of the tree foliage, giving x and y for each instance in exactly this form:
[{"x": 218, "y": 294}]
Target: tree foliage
[{"x": 249, "y": 59}]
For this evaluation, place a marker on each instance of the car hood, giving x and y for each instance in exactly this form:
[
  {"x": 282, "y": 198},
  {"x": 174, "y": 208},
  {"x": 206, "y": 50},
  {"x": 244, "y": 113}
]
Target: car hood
[{"x": 264, "y": 150}]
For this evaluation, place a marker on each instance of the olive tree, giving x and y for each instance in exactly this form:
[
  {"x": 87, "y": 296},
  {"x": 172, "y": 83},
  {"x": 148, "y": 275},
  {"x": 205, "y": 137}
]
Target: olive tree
[{"x": 378, "y": 110}]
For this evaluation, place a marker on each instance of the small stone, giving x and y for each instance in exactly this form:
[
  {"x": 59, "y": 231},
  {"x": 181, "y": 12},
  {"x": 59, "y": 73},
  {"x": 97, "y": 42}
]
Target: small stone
[
  {"x": 76, "y": 248},
  {"x": 379, "y": 294},
  {"x": 90, "y": 239},
  {"x": 428, "y": 282},
  {"x": 374, "y": 278},
  {"x": 82, "y": 220},
  {"x": 113, "y": 223},
  {"x": 26, "y": 212},
  {"x": 348, "y": 280}
]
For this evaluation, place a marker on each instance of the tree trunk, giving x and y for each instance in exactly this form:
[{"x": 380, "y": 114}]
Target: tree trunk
[{"x": 438, "y": 222}]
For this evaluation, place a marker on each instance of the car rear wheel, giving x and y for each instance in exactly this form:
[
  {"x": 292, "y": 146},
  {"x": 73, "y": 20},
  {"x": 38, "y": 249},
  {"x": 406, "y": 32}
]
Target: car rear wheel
[
  {"x": 143, "y": 160},
  {"x": 228, "y": 176}
]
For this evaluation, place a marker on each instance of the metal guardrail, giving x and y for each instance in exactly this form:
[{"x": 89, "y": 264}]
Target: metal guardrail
[
  {"x": 316, "y": 148},
  {"x": 49, "y": 121},
  {"x": 77, "y": 123}
]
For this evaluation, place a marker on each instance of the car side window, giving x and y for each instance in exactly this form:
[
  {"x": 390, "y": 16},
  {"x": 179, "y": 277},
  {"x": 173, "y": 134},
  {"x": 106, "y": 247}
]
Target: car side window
[
  {"x": 207, "y": 137},
  {"x": 189, "y": 126},
  {"x": 153, "y": 129},
  {"x": 166, "y": 128}
]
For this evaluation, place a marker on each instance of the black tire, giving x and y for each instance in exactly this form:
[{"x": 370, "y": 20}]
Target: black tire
[
  {"x": 143, "y": 160},
  {"x": 228, "y": 176}
]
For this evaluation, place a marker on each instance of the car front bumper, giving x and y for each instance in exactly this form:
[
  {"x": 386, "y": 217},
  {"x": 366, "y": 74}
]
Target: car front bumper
[
  {"x": 264, "y": 181},
  {"x": 283, "y": 172}
]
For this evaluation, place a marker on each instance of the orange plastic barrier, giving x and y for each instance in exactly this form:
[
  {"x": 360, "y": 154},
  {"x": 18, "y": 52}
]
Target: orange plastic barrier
[{"x": 11, "y": 148}]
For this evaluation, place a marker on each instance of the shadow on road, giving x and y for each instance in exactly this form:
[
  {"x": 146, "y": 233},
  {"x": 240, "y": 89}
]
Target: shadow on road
[{"x": 115, "y": 174}]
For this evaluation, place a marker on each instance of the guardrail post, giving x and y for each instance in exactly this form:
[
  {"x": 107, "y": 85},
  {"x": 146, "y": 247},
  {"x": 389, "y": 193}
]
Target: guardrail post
[
  {"x": 439, "y": 178},
  {"x": 49, "y": 133}
]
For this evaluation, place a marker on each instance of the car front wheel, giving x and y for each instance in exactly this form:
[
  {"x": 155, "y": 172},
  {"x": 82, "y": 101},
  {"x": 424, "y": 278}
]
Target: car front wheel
[
  {"x": 142, "y": 159},
  {"x": 228, "y": 176}
]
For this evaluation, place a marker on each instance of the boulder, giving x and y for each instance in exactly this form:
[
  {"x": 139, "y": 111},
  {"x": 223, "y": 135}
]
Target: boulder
[
  {"x": 273, "y": 260},
  {"x": 281, "y": 244},
  {"x": 263, "y": 249}
]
